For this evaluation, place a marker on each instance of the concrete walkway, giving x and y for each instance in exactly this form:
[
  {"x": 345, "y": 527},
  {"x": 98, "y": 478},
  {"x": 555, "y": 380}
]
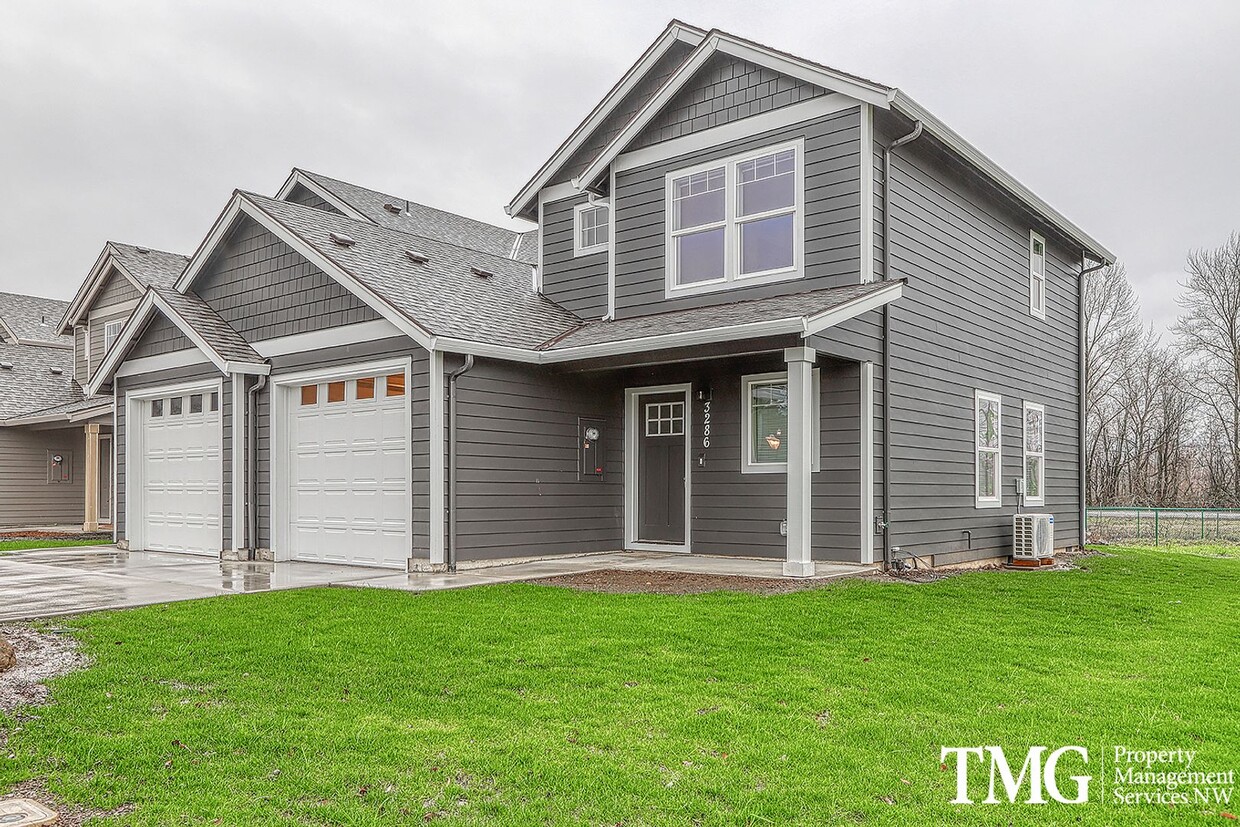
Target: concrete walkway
[{"x": 63, "y": 581}]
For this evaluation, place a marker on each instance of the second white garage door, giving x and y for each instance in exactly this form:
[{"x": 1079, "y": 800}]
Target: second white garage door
[
  {"x": 182, "y": 473},
  {"x": 349, "y": 464}
]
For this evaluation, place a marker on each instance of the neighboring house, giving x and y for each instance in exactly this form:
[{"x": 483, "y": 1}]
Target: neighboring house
[
  {"x": 771, "y": 309},
  {"x": 44, "y": 417}
]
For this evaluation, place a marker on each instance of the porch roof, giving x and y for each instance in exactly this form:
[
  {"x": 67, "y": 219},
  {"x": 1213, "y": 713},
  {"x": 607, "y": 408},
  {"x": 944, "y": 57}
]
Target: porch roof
[{"x": 792, "y": 313}]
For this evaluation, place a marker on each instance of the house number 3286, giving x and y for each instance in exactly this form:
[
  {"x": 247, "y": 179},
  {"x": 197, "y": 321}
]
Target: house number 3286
[{"x": 706, "y": 424}]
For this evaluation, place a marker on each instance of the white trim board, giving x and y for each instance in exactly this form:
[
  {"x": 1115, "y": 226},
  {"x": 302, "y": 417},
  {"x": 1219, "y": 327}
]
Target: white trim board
[
  {"x": 866, "y": 148},
  {"x": 631, "y": 475},
  {"x": 867, "y": 462},
  {"x": 351, "y": 334},
  {"x": 675, "y": 31}
]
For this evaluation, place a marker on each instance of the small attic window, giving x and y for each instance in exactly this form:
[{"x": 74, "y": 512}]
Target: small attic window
[
  {"x": 482, "y": 274},
  {"x": 342, "y": 239},
  {"x": 416, "y": 257}
]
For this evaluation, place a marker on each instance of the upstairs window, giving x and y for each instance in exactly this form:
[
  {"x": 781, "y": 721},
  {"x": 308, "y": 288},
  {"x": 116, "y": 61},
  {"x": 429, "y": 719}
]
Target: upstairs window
[
  {"x": 590, "y": 228},
  {"x": 1035, "y": 454},
  {"x": 735, "y": 221},
  {"x": 1037, "y": 275},
  {"x": 111, "y": 331},
  {"x": 988, "y": 450}
]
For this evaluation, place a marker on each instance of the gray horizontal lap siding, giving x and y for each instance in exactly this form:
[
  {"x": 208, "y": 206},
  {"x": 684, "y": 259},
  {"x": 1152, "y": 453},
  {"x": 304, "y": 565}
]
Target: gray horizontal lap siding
[
  {"x": 81, "y": 371},
  {"x": 964, "y": 324},
  {"x": 176, "y": 376},
  {"x": 26, "y": 497},
  {"x": 832, "y": 217},
  {"x": 520, "y": 493},
  {"x": 725, "y": 89},
  {"x": 346, "y": 356},
  {"x": 576, "y": 283}
]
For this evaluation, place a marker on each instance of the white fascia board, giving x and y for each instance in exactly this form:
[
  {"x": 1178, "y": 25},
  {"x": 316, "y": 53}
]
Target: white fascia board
[
  {"x": 190, "y": 333},
  {"x": 350, "y": 334},
  {"x": 717, "y": 41},
  {"x": 85, "y": 296},
  {"x": 124, "y": 339},
  {"x": 163, "y": 361},
  {"x": 247, "y": 368},
  {"x": 91, "y": 413},
  {"x": 8, "y": 331},
  {"x": 41, "y": 343},
  {"x": 677, "y": 31},
  {"x": 299, "y": 177},
  {"x": 842, "y": 313},
  {"x": 911, "y": 109},
  {"x": 218, "y": 230}
]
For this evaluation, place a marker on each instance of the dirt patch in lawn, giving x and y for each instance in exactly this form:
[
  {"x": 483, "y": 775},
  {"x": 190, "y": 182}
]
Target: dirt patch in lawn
[
  {"x": 625, "y": 581},
  {"x": 104, "y": 537},
  {"x": 41, "y": 655},
  {"x": 69, "y": 816}
]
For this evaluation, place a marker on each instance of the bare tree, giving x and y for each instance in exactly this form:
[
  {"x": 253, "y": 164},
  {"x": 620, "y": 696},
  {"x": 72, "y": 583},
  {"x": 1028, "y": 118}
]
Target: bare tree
[
  {"x": 1112, "y": 329},
  {"x": 1209, "y": 332}
]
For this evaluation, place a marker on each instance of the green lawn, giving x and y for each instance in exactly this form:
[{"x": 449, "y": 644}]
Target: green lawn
[
  {"x": 21, "y": 545},
  {"x": 524, "y": 704}
]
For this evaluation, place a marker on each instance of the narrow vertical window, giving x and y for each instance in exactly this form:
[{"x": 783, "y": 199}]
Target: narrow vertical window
[
  {"x": 591, "y": 223},
  {"x": 1037, "y": 275},
  {"x": 1035, "y": 454},
  {"x": 111, "y": 331},
  {"x": 987, "y": 429},
  {"x": 764, "y": 418}
]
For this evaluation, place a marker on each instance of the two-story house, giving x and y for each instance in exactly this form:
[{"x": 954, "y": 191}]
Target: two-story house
[{"x": 771, "y": 309}]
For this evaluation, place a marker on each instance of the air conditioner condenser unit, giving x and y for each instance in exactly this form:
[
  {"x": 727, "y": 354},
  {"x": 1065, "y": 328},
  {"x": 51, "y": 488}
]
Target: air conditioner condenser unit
[{"x": 1033, "y": 537}]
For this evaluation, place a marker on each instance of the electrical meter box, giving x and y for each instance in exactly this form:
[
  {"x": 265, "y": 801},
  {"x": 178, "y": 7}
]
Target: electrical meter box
[{"x": 590, "y": 447}]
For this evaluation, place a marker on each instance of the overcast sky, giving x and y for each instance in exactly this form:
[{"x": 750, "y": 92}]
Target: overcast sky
[{"x": 134, "y": 121}]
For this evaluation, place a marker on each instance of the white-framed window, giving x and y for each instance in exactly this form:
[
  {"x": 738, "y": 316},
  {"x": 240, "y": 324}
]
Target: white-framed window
[
  {"x": 988, "y": 449},
  {"x": 736, "y": 221},
  {"x": 111, "y": 331},
  {"x": 1035, "y": 454},
  {"x": 1037, "y": 275},
  {"x": 764, "y": 423},
  {"x": 591, "y": 223}
]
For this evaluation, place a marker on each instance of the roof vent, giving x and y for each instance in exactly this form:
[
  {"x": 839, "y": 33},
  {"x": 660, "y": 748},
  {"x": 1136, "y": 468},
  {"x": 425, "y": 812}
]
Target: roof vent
[
  {"x": 394, "y": 209},
  {"x": 482, "y": 274},
  {"x": 43, "y": 321},
  {"x": 57, "y": 371},
  {"x": 6, "y": 365},
  {"x": 143, "y": 250},
  {"x": 342, "y": 239},
  {"x": 416, "y": 257}
]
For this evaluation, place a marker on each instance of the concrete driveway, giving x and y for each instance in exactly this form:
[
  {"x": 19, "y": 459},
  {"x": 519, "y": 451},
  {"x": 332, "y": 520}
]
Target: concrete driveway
[{"x": 64, "y": 581}]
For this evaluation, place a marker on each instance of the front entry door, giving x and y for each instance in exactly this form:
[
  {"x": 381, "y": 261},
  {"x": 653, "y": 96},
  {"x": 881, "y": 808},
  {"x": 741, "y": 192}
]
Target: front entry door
[{"x": 661, "y": 468}]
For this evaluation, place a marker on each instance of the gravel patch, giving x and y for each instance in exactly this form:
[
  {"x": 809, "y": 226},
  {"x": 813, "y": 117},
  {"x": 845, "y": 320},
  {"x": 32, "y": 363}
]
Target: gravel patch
[{"x": 41, "y": 655}]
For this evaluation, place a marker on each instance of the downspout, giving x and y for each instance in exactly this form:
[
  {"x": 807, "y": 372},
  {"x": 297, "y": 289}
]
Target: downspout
[
  {"x": 452, "y": 377},
  {"x": 887, "y": 383},
  {"x": 1082, "y": 422},
  {"x": 251, "y": 450}
]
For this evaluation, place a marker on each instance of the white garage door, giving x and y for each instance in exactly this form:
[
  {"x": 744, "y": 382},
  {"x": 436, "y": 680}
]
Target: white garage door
[
  {"x": 349, "y": 470},
  {"x": 182, "y": 473}
]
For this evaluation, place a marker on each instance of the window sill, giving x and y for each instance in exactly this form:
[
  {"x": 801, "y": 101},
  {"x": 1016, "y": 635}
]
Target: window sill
[
  {"x": 671, "y": 291},
  {"x": 590, "y": 251},
  {"x": 988, "y": 503}
]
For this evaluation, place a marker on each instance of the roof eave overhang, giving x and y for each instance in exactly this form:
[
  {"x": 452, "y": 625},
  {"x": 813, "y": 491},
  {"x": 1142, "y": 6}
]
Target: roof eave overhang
[
  {"x": 912, "y": 110},
  {"x": 675, "y": 31},
  {"x": 802, "y": 325},
  {"x": 717, "y": 41}
]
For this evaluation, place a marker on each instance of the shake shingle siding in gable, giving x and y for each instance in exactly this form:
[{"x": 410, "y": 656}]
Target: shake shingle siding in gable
[
  {"x": 726, "y": 89},
  {"x": 161, "y": 336},
  {"x": 118, "y": 290},
  {"x": 964, "y": 324},
  {"x": 576, "y": 283},
  {"x": 832, "y": 217},
  {"x": 264, "y": 289},
  {"x": 624, "y": 111}
]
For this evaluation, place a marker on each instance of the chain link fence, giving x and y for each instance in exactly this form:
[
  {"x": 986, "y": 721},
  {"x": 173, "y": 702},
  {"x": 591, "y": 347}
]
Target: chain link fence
[{"x": 1165, "y": 526}]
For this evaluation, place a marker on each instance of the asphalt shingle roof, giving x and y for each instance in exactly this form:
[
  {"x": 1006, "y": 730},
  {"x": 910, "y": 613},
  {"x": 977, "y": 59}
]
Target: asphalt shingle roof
[
  {"x": 68, "y": 408},
  {"x": 32, "y": 318},
  {"x": 208, "y": 324},
  {"x": 430, "y": 222},
  {"x": 157, "y": 268},
  {"x": 791, "y": 306},
  {"x": 30, "y": 384},
  {"x": 442, "y": 295}
]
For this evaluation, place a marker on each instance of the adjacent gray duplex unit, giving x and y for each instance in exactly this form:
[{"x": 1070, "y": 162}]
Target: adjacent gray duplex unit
[{"x": 770, "y": 309}]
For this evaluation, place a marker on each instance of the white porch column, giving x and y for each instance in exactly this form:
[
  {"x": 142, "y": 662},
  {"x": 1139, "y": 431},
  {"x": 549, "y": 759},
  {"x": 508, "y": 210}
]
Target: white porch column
[
  {"x": 240, "y": 473},
  {"x": 91, "y": 479},
  {"x": 800, "y": 458}
]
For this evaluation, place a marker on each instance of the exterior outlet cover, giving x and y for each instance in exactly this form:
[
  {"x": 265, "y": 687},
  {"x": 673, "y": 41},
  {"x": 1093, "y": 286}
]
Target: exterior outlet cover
[{"x": 783, "y": 528}]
